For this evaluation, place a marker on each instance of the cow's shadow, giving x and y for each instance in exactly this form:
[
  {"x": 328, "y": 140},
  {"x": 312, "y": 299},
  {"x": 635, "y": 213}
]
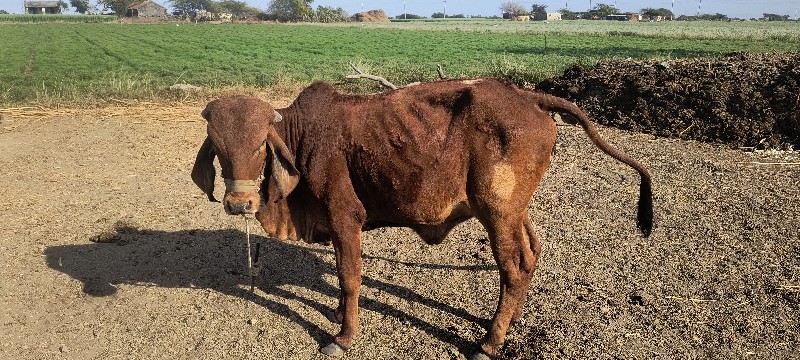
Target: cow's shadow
[{"x": 216, "y": 259}]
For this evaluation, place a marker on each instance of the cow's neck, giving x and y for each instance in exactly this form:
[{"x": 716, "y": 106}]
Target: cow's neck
[{"x": 290, "y": 128}]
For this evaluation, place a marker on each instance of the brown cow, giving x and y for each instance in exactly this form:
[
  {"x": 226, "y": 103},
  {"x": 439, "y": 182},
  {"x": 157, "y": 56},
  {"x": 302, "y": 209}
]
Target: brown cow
[{"x": 426, "y": 157}]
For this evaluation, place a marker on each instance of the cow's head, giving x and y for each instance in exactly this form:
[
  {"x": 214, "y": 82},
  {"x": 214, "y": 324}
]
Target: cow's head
[{"x": 253, "y": 157}]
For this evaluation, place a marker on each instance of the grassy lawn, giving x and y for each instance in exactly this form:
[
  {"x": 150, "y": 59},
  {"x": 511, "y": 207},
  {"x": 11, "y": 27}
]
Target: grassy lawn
[{"x": 90, "y": 62}]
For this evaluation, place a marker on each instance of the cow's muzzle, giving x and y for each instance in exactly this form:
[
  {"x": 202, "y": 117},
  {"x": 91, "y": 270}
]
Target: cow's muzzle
[{"x": 241, "y": 197}]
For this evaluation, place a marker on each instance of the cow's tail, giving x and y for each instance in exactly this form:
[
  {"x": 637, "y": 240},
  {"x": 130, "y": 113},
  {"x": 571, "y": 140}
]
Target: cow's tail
[{"x": 644, "y": 217}]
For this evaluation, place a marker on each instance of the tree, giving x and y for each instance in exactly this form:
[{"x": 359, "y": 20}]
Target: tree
[
  {"x": 191, "y": 7},
  {"x": 775, "y": 17},
  {"x": 81, "y": 6},
  {"x": 409, "y": 16},
  {"x": 715, "y": 17},
  {"x": 3, "y": 12},
  {"x": 566, "y": 14},
  {"x": 438, "y": 15},
  {"x": 118, "y": 7},
  {"x": 538, "y": 9},
  {"x": 511, "y": 8},
  {"x": 653, "y": 13},
  {"x": 602, "y": 10},
  {"x": 291, "y": 10},
  {"x": 327, "y": 14},
  {"x": 237, "y": 8},
  {"x": 234, "y": 7}
]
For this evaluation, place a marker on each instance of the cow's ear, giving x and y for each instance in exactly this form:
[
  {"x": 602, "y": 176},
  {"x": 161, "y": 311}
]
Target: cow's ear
[
  {"x": 203, "y": 172},
  {"x": 281, "y": 169}
]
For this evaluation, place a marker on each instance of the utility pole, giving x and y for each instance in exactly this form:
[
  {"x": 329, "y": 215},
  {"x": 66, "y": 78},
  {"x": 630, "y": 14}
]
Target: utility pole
[
  {"x": 362, "y": 7},
  {"x": 406, "y": 13},
  {"x": 673, "y": 10},
  {"x": 445, "y": 9},
  {"x": 699, "y": 5}
]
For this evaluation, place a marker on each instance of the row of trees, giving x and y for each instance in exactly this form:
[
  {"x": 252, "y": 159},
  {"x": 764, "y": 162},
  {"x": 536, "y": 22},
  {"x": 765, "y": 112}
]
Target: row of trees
[
  {"x": 190, "y": 8},
  {"x": 300, "y": 10},
  {"x": 281, "y": 10},
  {"x": 723, "y": 17},
  {"x": 438, "y": 15},
  {"x": 598, "y": 11}
]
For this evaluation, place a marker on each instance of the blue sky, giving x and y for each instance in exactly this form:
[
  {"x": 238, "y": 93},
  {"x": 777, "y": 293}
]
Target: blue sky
[{"x": 734, "y": 8}]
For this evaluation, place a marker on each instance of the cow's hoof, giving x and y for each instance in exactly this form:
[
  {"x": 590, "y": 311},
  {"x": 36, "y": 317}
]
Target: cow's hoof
[
  {"x": 333, "y": 350},
  {"x": 480, "y": 356}
]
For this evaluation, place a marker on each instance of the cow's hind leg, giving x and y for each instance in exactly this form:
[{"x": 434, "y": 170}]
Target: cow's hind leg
[
  {"x": 536, "y": 248},
  {"x": 516, "y": 261}
]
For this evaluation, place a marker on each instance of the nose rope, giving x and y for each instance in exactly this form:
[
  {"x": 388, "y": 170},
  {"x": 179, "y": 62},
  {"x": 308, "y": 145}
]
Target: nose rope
[
  {"x": 242, "y": 186},
  {"x": 250, "y": 254}
]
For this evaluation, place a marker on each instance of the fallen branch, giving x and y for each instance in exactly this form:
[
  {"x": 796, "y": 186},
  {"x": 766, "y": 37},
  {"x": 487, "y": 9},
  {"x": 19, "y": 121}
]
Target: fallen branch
[
  {"x": 682, "y": 298},
  {"x": 122, "y": 101},
  {"x": 363, "y": 75},
  {"x": 439, "y": 70},
  {"x": 775, "y": 163}
]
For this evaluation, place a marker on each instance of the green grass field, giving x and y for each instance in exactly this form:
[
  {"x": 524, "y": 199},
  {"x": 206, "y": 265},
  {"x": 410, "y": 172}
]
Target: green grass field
[
  {"x": 66, "y": 63},
  {"x": 55, "y": 18}
]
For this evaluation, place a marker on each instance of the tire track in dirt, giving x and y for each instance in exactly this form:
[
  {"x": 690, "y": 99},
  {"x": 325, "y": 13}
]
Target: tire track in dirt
[
  {"x": 31, "y": 61},
  {"x": 106, "y": 51}
]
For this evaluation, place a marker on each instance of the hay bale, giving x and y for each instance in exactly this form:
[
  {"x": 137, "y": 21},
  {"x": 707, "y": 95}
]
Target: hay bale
[{"x": 370, "y": 16}]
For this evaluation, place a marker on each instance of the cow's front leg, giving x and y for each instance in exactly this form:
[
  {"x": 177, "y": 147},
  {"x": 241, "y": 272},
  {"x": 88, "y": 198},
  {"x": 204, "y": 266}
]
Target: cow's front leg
[
  {"x": 346, "y": 216},
  {"x": 348, "y": 268}
]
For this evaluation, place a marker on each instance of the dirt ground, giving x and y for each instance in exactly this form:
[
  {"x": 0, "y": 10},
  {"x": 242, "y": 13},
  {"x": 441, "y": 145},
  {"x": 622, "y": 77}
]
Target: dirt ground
[{"x": 109, "y": 251}]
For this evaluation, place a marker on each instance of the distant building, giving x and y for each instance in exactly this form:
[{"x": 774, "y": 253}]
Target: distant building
[
  {"x": 204, "y": 15},
  {"x": 625, "y": 17},
  {"x": 543, "y": 16},
  {"x": 146, "y": 9},
  {"x": 42, "y": 7}
]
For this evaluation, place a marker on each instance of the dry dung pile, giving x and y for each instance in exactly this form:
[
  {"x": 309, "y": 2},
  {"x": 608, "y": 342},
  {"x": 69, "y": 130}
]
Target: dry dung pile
[
  {"x": 742, "y": 99},
  {"x": 370, "y": 16}
]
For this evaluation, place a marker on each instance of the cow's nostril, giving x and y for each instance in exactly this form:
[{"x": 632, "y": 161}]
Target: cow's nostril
[{"x": 238, "y": 208}]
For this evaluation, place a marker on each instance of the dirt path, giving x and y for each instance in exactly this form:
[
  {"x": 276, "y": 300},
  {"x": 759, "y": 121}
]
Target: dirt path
[{"x": 108, "y": 250}]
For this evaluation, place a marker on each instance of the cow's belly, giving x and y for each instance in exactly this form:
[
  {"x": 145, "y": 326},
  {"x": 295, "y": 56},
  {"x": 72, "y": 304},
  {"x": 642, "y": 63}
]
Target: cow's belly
[{"x": 429, "y": 207}]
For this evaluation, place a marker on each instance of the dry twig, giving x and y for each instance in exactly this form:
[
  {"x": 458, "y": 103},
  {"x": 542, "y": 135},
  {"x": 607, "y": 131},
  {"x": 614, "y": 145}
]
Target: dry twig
[
  {"x": 379, "y": 79},
  {"x": 439, "y": 70},
  {"x": 686, "y": 298},
  {"x": 789, "y": 288},
  {"x": 775, "y": 163}
]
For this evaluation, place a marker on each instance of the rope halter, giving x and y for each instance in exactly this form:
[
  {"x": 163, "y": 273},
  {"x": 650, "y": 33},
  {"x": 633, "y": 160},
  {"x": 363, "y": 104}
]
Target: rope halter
[{"x": 242, "y": 186}]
